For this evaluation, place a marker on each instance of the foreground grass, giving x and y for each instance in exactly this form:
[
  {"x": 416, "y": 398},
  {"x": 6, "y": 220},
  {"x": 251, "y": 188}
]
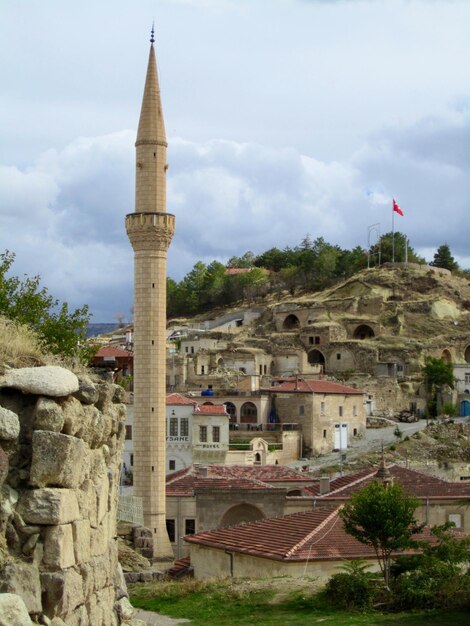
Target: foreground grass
[{"x": 267, "y": 603}]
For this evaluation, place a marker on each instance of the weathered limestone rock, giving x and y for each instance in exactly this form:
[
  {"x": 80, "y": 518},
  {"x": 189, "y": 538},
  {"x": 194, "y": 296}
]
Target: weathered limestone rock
[
  {"x": 9, "y": 425},
  {"x": 124, "y": 609},
  {"x": 57, "y": 621},
  {"x": 87, "y": 503},
  {"x": 62, "y": 592},
  {"x": 23, "y": 579},
  {"x": 13, "y": 611},
  {"x": 49, "y": 506},
  {"x": 119, "y": 395},
  {"x": 48, "y": 380},
  {"x": 4, "y": 464},
  {"x": 48, "y": 415},
  {"x": 59, "y": 547},
  {"x": 81, "y": 540},
  {"x": 74, "y": 416},
  {"x": 57, "y": 460},
  {"x": 87, "y": 392}
]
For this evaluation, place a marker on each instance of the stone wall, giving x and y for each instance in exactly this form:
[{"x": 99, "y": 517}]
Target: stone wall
[{"x": 61, "y": 440}]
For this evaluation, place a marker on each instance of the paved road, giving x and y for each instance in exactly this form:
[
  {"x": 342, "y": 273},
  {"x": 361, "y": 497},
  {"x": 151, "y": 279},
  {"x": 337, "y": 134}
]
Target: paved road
[{"x": 373, "y": 440}]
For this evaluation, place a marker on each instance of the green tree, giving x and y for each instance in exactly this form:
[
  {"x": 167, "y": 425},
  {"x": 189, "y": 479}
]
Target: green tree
[
  {"x": 401, "y": 243},
  {"x": 381, "y": 515},
  {"x": 443, "y": 258},
  {"x": 437, "y": 373},
  {"x": 61, "y": 331}
]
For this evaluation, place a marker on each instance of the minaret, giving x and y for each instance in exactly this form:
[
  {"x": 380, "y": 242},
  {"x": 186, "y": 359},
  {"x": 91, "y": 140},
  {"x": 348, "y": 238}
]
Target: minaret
[{"x": 150, "y": 229}]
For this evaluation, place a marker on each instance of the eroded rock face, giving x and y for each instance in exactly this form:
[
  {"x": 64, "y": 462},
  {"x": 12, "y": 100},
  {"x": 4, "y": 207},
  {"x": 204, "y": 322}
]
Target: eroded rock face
[
  {"x": 48, "y": 380},
  {"x": 60, "y": 457}
]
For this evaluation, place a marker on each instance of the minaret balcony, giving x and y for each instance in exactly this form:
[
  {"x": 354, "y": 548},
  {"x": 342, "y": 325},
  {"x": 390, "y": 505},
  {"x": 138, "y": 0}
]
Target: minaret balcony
[{"x": 150, "y": 231}]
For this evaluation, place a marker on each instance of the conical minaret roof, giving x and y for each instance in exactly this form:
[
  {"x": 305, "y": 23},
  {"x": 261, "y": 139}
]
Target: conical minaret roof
[{"x": 151, "y": 125}]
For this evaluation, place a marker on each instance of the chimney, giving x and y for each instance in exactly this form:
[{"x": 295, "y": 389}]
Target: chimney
[
  {"x": 324, "y": 485},
  {"x": 202, "y": 470}
]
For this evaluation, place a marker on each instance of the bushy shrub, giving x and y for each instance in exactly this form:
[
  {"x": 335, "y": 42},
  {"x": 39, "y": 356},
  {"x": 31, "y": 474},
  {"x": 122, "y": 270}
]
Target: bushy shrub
[{"x": 351, "y": 588}]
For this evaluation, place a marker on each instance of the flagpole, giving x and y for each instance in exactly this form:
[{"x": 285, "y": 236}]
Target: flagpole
[{"x": 393, "y": 234}]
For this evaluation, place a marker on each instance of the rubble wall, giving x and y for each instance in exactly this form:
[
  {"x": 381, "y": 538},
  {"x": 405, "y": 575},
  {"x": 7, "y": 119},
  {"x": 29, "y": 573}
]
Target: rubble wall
[{"x": 61, "y": 440}]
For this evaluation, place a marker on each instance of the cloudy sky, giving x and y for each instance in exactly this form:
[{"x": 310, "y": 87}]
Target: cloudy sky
[{"x": 284, "y": 117}]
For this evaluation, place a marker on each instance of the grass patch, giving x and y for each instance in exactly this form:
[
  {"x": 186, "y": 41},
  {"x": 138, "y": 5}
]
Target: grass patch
[{"x": 274, "y": 602}]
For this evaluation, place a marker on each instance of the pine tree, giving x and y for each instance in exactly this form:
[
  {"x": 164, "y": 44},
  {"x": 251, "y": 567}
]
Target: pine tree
[{"x": 443, "y": 258}]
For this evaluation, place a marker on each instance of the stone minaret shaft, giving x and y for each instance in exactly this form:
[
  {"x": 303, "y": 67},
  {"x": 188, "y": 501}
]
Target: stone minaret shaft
[{"x": 150, "y": 230}]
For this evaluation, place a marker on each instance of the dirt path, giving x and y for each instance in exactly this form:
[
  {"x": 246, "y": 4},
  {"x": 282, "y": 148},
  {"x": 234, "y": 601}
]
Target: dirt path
[{"x": 155, "y": 619}]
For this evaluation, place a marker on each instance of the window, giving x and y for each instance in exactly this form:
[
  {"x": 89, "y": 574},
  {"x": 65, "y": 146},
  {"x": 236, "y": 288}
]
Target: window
[
  {"x": 202, "y": 369},
  {"x": 310, "y": 341},
  {"x": 186, "y": 349},
  {"x": 184, "y": 427},
  {"x": 354, "y": 432},
  {"x": 216, "y": 434},
  {"x": 171, "y": 529},
  {"x": 189, "y": 526},
  {"x": 456, "y": 518},
  {"x": 260, "y": 370},
  {"x": 354, "y": 411},
  {"x": 317, "y": 340},
  {"x": 324, "y": 433},
  {"x": 172, "y": 465},
  {"x": 128, "y": 432},
  {"x": 340, "y": 411},
  {"x": 301, "y": 410},
  {"x": 131, "y": 460},
  {"x": 202, "y": 433},
  {"x": 265, "y": 368},
  {"x": 322, "y": 408},
  {"x": 467, "y": 378},
  {"x": 338, "y": 356},
  {"x": 173, "y": 426},
  {"x": 192, "y": 349}
]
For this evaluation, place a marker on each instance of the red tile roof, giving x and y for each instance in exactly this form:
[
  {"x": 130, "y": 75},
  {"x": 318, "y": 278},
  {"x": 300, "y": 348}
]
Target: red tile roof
[
  {"x": 177, "y": 398},
  {"x": 305, "y": 536},
  {"x": 111, "y": 351},
  {"x": 414, "y": 483},
  {"x": 186, "y": 481},
  {"x": 210, "y": 409},
  {"x": 302, "y": 385}
]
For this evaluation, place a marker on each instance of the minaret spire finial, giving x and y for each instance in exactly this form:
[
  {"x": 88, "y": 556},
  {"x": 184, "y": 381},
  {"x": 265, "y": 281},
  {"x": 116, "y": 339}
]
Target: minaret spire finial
[{"x": 152, "y": 33}]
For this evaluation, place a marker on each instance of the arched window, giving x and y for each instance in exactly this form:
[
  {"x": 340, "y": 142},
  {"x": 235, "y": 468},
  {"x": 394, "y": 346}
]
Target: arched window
[
  {"x": 363, "y": 332},
  {"x": 315, "y": 357},
  {"x": 446, "y": 356},
  {"x": 232, "y": 411},
  {"x": 239, "y": 514},
  {"x": 291, "y": 322},
  {"x": 467, "y": 354},
  {"x": 248, "y": 413}
]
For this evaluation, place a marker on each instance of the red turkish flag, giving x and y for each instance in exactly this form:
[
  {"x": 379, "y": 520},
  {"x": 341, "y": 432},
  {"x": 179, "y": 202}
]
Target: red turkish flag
[{"x": 397, "y": 209}]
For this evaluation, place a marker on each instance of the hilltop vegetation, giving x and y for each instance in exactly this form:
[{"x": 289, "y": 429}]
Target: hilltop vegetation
[{"x": 309, "y": 267}]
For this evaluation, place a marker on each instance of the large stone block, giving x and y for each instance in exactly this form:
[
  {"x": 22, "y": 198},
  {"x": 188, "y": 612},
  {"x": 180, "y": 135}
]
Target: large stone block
[
  {"x": 9, "y": 425},
  {"x": 48, "y": 415},
  {"x": 49, "y": 506},
  {"x": 59, "y": 547},
  {"x": 23, "y": 579},
  {"x": 57, "y": 460},
  {"x": 99, "y": 539},
  {"x": 48, "y": 380},
  {"x": 81, "y": 540},
  {"x": 13, "y": 611},
  {"x": 62, "y": 592},
  {"x": 74, "y": 416},
  {"x": 87, "y": 392},
  {"x": 87, "y": 502}
]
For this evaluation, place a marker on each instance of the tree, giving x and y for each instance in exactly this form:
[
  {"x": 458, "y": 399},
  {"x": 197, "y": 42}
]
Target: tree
[
  {"x": 437, "y": 373},
  {"x": 381, "y": 516},
  {"x": 443, "y": 258},
  {"x": 401, "y": 244},
  {"x": 61, "y": 331}
]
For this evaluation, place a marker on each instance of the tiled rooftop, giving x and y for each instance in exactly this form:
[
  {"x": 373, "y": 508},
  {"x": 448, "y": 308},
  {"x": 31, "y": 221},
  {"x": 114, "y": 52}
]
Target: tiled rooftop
[
  {"x": 302, "y": 385},
  {"x": 186, "y": 481},
  {"x": 414, "y": 483},
  {"x": 305, "y": 536},
  {"x": 210, "y": 409},
  {"x": 177, "y": 398},
  {"x": 111, "y": 351}
]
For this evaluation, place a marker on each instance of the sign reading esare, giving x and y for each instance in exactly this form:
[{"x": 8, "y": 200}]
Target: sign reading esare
[{"x": 177, "y": 438}]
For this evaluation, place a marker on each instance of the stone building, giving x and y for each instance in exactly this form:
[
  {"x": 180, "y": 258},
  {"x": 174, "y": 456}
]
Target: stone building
[
  {"x": 329, "y": 415},
  {"x": 150, "y": 229}
]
